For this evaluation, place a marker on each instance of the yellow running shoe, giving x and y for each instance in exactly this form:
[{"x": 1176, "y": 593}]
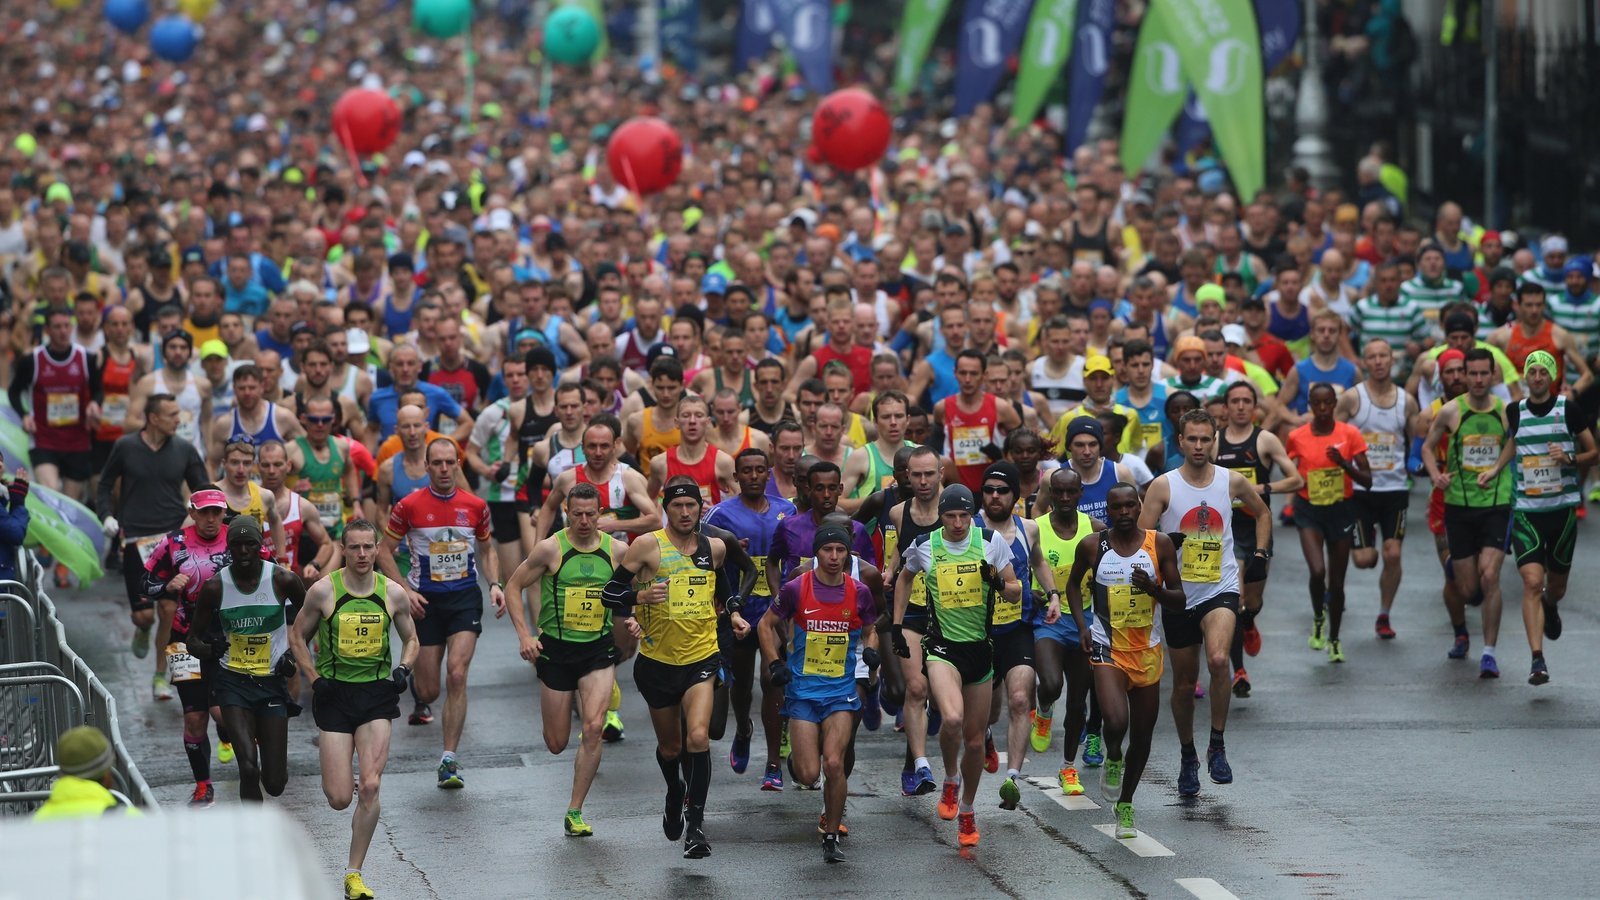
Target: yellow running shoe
[
  {"x": 355, "y": 888},
  {"x": 1041, "y": 732},
  {"x": 575, "y": 826},
  {"x": 1069, "y": 781},
  {"x": 224, "y": 752}
]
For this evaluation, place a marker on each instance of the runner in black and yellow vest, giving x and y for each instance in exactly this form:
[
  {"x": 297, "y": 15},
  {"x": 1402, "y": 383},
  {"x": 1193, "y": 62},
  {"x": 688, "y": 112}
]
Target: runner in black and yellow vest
[
  {"x": 676, "y": 623},
  {"x": 355, "y": 695},
  {"x": 572, "y": 650},
  {"x": 244, "y": 494}
]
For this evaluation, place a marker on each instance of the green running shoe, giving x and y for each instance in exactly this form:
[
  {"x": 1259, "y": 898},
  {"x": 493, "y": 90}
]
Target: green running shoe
[
  {"x": 1125, "y": 829},
  {"x": 1010, "y": 796},
  {"x": 1111, "y": 780},
  {"x": 1317, "y": 642},
  {"x": 575, "y": 826},
  {"x": 783, "y": 745}
]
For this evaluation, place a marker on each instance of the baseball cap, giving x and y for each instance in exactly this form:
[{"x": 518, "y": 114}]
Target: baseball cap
[
  {"x": 714, "y": 283},
  {"x": 658, "y": 351},
  {"x": 58, "y": 191},
  {"x": 210, "y": 498},
  {"x": 356, "y": 341},
  {"x": 1097, "y": 363},
  {"x": 212, "y": 348},
  {"x": 193, "y": 255},
  {"x": 1235, "y": 334},
  {"x": 806, "y": 218}
]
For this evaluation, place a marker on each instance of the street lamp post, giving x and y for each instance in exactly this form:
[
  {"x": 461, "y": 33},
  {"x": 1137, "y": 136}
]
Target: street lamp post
[{"x": 1311, "y": 149}]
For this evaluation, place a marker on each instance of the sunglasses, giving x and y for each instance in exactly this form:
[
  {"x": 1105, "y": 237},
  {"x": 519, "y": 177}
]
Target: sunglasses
[
  {"x": 996, "y": 489},
  {"x": 319, "y": 420}
]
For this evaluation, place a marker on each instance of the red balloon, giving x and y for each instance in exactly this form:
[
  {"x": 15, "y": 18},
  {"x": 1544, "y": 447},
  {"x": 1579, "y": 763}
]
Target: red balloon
[
  {"x": 851, "y": 129},
  {"x": 367, "y": 121},
  {"x": 645, "y": 155}
]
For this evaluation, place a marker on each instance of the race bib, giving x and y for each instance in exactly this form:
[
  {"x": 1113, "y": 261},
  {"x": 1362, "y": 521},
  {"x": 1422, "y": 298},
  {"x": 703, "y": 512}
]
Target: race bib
[
  {"x": 61, "y": 410},
  {"x": 1201, "y": 561},
  {"x": 761, "y": 589},
  {"x": 891, "y": 542},
  {"x": 968, "y": 441},
  {"x": 1325, "y": 487},
  {"x": 1005, "y": 611},
  {"x": 186, "y": 429},
  {"x": 1541, "y": 476},
  {"x": 447, "y": 560},
  {"x": 1130, "y": 607},
  {"x": 1150, "y": 434},
  {"x": 361, "y": 635},
  {"x": 960, "y": 585},
  {"x": 825, "y": 654},
  {"x": 250, "y": 653},
  {"x": 146, "y": 547},
  {"x": 1383, "y": 450},
  {"x": 329, "y": 506},
  {"x": 1063, "y": 574},
  {"x": 689, "y": 595},
  {"x": 919, "y": 591},
  {"x": 1249, "y": 474},
  {"x": 114, "y": 411},
  {"x": 581, "y": 610},
  {"x": 180, "y": 665},
  {"x": 1479, "y": 452}
]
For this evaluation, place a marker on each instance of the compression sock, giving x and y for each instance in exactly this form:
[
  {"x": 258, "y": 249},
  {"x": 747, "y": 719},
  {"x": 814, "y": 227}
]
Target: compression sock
[
  {"x": 699, "y": 784},
  {"x": 1188, "y": 751},
  {"x": 669, "y": 772},
  {"x": 1236, "y": 649},
  {"x": 199, "y": 753},
  {"x": 1216, "y": 739}
]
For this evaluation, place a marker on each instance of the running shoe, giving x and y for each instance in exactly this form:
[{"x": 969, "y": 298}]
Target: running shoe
[
  {"x": 739, "y": 755},
  {"x": 159, "y": 689},
  {"x": 575, "y": 826},
  {"x": 450, "y": 775},
  {"x": 924, "y": 783},
  {"x": 695, "y": 845},
  {"x": 1070, "y": 785},
  {"x": 613, "y": 730},
  {"x": 1010, "y": 796},
  {"x": 421, "y": 714},
  {"x": 1040, "y": 739},
  {"x": 1385, "y": 631},
  {"x": 801, "y": 785},
  {"x": 772, "y": 779},
  {"x": 1125, "y": 829},
  {"x": 1317, "y": 641},
  {"x": 947, "y": 801},
  {"x": 1111, "y": 780},
  {"x": 1594, "y": 494},
  {"x": 991, "y": 757},
  {"x": 822, "y": 826},
  {"x": 1458, "y": 649},
  {"x": 831, "y": 851},
  {"x": 140, "y": 645},
  {"x": 783, "y": 743},
  {"x": 1252, "y": 640},
  {"x": 224, "y": 752},
  {"x": 967, "y": 830},
  {"x": 355, "y": 888},
  {"x": 1335, "y": 651},
  {"x": 1094, "y": 752},
  {"x": 1540, "y": 673},
  {"x": 1217, "y": 766},
  {"x": 1189, "y": 776},
  {"x": 63, "y": 577},
  {"x": 871, "y": 709},
  {"x": 204, "y": 797},
  {"x": 1241, "y": 683},
  {"x": 1552, "y": 617},
  {"x": 935, "y": 721},
  {"x": 1286, "y": 517},
  {"x": 1583, "y": 512},
  {"x": 1199, "y": 690},
  {"x": 1488, "y": 668},
  {"x": 672, "y": 813}
]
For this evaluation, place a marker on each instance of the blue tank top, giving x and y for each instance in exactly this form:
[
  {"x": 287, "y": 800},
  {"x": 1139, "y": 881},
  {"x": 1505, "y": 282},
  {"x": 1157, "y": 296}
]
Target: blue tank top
[
  {"x": 1343, "y": 376},
  {"x": 1182, "y": 303},
  {"x": 1288, "y": 329},
  {"x": 552, "y": 339},
  {"x": 397, "y": 321},
  {"x": 1093, "y": 503},
  {"x": 1021, "y": 566},
  {"x": 404, "y": 485},
  {"x": 268, "y": 432},
  {"x": 944, "y": 377}
]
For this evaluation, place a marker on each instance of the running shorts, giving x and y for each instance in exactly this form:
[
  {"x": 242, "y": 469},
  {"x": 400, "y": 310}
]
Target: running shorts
[
  {"x": 1143, "y": 668},
  {"x": 448, "y": 613},
  {"x": 1545, "y": 538},
  {"x": 663, "y": 685},
  {"x": 1336, "y": 521},
  {"x": 562, "y": 663},
  {"x": 1012, "y": 649},
  {"x": 1469, "y": 529},
  {"x": 1183, "y": 629},
  {"x": 350, "y": 704},
  {"x": 973, "y": 660},
  {"x": 264, "y": 695},
  {"x": 1380, "y": 510},
  {"x": 817, "y": 710}
]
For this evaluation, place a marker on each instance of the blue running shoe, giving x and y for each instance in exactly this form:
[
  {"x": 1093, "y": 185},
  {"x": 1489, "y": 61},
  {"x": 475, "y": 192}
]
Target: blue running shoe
[
  {"x": 1458, "y": 649},
  {"x": 925, "y": 782},
  {"x": 934, "y": 720},
  {"x": 450, "y": 775},
  {"x": 1094, "y": 752},
  {"x": 1488, "y": 668},
  {"x": 773, "y": 779},
  {"x": 908, "y": 783},
  {"x": 1189, "y": 777},
  {"x": 871, "y": 711},
  {"x": 739, "y": 755},
  {"x": 1217, "y": 766}
]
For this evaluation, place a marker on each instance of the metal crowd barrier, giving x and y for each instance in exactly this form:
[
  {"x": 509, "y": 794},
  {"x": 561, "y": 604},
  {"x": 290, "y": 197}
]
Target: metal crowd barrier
[{"x": 45, "y": 689}]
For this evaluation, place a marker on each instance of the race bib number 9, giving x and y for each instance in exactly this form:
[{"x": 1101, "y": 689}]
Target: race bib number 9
[{"x": 689, "y": 595}]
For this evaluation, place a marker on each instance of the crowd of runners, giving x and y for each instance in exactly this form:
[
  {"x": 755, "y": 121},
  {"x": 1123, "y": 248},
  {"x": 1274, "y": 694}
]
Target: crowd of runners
[{"x": 968, "y": 449}]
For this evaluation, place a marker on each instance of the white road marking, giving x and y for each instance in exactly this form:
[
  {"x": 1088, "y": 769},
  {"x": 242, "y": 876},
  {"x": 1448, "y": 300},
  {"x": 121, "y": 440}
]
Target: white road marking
[
  {"x": 1143, "y": 845},
  {"x": 1050, "y": 788},
  {"x": 1206, "y": 889}
]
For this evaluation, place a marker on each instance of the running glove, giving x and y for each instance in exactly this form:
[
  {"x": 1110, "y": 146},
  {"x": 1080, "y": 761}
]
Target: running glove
[
  {"x": 869, "y": 656},
  {"x": 779, "y": 672},
  {"x": 285, "y": 666},
  {"x": 401, "y": 679},
  {"x": 898, "y": 636}
]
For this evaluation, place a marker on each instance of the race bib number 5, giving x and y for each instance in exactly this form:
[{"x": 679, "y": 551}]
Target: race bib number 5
[{"x": 1129, "y": 606}]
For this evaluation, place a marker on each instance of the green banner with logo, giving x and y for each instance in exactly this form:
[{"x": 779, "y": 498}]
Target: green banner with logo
[
  {"x": 1219, "y": 48},
  {"x": 1156, "y": 90},
  {"x": 918, "y": 27},
  {"x": 1044, "y": 52}
]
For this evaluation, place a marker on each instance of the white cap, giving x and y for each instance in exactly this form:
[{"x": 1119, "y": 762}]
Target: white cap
[
  {"x": 501, "y": 220},
  {"x": 358, "y": 341},
  {"x": 439, "y": 166},
  {"x": 1235, "y": 334},
  {"x": 258, "y": 122},
  {"x": 805, "y": 215},
  {"x": 413, "y": 159}
]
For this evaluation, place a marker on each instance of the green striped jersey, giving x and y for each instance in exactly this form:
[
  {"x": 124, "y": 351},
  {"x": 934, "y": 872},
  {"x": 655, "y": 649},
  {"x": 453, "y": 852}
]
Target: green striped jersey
[
  {"x": 1579, "y": 315},
  {"x": 1396, "y": 324},
  {"x": 1431, "y": 297},
  {"x": 1541, "y": 484}
]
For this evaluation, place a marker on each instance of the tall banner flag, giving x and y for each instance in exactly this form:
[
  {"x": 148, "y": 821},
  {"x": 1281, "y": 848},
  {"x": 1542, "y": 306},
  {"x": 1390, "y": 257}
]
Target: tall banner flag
[
  {"x": 918, "y": 26},
  {"x": 1044, "y": 51},
  {"x": 1091, "y": 57},
  {"x": 1156, "y": 88},
  {"x": 991, "y": 31},
  {"x": 1279, "y": 21},
  {"x": 677, "y": 22},
  {"x": 756, "y": 24},
  {"x": 808, "y": 31}
]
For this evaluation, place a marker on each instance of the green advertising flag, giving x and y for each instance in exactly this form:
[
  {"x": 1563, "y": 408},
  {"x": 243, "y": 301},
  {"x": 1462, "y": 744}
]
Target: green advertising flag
[
  {"x": 1219, "y": 47},
  {"x": 1156, "y": 91},
  {"x": 918, "y": 27},
  {"x": 62, "y": 526},
  {"x": 1044, "y": 52}
]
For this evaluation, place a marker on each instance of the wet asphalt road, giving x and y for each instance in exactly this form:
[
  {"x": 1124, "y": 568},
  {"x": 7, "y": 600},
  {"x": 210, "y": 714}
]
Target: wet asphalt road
[{"x": 1399, "y": 773}]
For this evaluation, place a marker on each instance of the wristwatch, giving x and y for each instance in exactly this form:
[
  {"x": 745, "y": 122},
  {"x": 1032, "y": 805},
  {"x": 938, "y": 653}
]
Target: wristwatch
[{"x": 1263, "y": 553}]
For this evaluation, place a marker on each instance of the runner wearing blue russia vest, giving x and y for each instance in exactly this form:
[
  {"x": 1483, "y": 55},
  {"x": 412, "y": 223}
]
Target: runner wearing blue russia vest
[
  {"x": 1085, "y": 437},
  {"x": 1011, "y": 626},
  {"x": 829, "y": 611},
  {"x": 752, "y": 516}
]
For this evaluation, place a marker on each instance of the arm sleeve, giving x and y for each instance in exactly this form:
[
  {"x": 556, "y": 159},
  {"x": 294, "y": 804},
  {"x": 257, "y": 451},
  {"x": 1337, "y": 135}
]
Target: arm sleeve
[
  {"x": 105, "y": 496},
  {"x": 619, "y": 593},
  {"x": 21, "y": 381}
]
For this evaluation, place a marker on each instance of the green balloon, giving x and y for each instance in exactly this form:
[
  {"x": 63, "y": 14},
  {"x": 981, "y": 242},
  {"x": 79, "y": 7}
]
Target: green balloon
[
  {"x": 26, "y": 143},
  {"x": 441, "y": 18},
  {"x": 571, "y": 35}
]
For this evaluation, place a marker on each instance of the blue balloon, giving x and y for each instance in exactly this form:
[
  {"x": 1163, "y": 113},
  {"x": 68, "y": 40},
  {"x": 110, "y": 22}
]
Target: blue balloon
[
  {"x": 127, "y": 15},
  {"x": 174, "y": 38}
]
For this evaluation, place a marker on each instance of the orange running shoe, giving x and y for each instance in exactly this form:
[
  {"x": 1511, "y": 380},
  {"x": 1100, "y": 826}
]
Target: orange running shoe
[
  {"x": 968, "y": 828},
  {"x": 947, "y": 801}
]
